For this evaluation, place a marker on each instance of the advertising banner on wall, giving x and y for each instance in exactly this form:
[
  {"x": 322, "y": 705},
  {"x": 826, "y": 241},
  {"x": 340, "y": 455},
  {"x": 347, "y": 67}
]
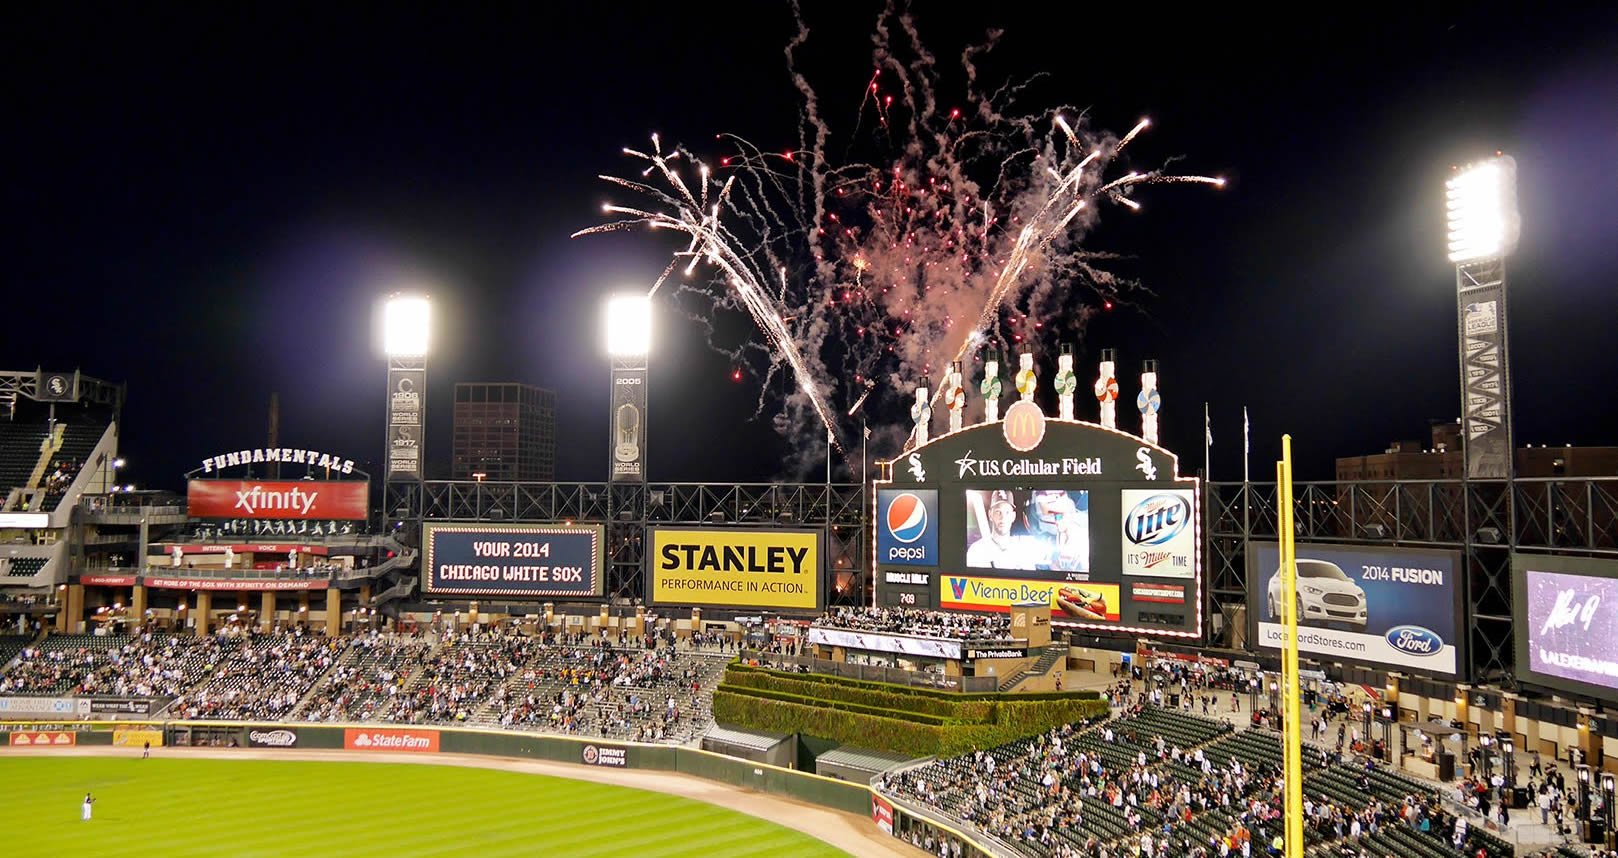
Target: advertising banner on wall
[
  {"x": 1088, "y": 602},
  {"x": 604, "y": 755},
  {"x": 1390, "y": 607},
  {"x": 736, "y": 567},
  {"x": 1159, "y": 537},
  {"x": 628, "y": 425},
  {"x": 907, "y": 527},
  {"x": 407, "y": 401},
  {"x": 324, "y": 500},
  {"x": 514, "y": 559},
  {"x": 373, "y": 739},
  {"x": 901, "y": 644},
  {"x": 1566, "y": 614}
]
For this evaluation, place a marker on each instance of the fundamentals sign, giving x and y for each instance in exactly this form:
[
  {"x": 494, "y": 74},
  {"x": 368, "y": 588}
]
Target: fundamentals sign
[
  {"x": 514, "y": 559},
  {"x": 736, "y": 567}
]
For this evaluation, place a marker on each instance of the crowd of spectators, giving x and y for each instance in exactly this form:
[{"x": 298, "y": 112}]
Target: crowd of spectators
[
  {"x": 1161, "y": 783},
  {"x": 264, "y": 679},
  {"x": 61, "y": 476},
  {"x": 361, "y": 687},
  {"x": 939, "y": 624},
  {"x": 146, "y": 664}
]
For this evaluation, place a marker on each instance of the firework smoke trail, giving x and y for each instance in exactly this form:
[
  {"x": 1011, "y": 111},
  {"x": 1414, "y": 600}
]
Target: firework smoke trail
[
  {"x": 712, "y": 242},
  {"x": 948, "y": 226}
]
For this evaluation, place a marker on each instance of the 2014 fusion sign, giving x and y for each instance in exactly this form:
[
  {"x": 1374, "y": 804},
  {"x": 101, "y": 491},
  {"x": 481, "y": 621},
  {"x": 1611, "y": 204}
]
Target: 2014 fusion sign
[
  {"x": 514, "y": 560},
  {"x": 735, "y": 567},
  {"x": 1567, "y": 608},
  {"x": 321, "y": 500},
  {"x": 1395, "y": 607}
]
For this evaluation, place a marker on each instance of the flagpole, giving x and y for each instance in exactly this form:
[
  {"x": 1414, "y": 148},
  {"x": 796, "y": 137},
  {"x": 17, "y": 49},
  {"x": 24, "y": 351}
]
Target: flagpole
[{"x": 1207, "y": 444}]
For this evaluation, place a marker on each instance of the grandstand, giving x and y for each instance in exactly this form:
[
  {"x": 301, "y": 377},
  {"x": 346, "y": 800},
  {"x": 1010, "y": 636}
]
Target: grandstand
[
  {"x": 488, "y": 678},
  {"x": 1185, "y": 785}
]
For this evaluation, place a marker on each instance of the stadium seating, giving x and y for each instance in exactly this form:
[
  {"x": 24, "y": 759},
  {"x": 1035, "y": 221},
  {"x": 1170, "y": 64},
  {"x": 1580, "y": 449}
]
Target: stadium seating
[
  {"x": 78, "y": 442},
  {"x": 373, "y": 670},
  {"x": 25, "y": 567},
  {"x": 262, "y": 680},
  {"x": 19, "y": 453},
  {"x": 1188, "y": 781}
]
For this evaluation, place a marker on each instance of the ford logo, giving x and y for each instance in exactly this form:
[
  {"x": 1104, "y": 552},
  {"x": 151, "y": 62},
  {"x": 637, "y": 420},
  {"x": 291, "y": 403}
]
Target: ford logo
[{"x": 1415, "y": 640}]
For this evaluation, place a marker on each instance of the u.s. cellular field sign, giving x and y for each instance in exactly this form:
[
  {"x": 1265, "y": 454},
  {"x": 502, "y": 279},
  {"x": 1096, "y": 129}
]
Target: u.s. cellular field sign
[
  {"x": 1094, "y": 522},
  {"x": 735, "y": 567},
  {"x": 521, "y": 560}
]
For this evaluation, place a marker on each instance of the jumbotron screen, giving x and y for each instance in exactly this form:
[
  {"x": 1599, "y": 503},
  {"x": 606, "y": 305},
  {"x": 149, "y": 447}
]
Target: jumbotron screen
[{"x": 1029, "y": 530}]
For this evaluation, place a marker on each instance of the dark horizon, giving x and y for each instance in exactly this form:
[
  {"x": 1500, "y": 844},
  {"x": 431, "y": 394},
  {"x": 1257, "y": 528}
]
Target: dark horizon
[{"x": 208, "y": 208}]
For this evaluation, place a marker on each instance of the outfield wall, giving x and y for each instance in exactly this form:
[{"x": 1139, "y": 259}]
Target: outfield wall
[{"x": 371, "y": 737}]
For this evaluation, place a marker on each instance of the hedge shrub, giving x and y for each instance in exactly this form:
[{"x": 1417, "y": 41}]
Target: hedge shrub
[
  {"x": 884, "y": 716},
  {"x": 896, "y": 734}
]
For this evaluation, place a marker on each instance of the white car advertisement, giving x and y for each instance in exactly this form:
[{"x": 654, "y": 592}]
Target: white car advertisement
[{"x": 1389, "y": 607}]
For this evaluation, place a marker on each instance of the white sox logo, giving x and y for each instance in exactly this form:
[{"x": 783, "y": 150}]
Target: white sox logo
[{"x": 1143, "y": 463}]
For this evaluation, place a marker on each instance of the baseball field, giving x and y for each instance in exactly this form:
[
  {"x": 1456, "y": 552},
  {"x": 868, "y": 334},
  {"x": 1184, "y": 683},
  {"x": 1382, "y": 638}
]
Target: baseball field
[{"x": 197, "y": 807}]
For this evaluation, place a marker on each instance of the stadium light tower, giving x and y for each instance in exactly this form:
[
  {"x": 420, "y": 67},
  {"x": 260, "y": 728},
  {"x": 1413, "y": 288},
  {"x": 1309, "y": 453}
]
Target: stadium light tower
[
  {"x": 406, "y": 333},
  {"x": 628, "y": 321},
  {"x": 1481, "y": 201}
]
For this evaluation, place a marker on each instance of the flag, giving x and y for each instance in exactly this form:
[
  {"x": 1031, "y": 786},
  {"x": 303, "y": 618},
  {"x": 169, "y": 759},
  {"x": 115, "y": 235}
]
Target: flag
[
  {"x": 867, "y": 433},
  {"x": 1247, "y": 436},
  {"x": 1207, "y": 427}
]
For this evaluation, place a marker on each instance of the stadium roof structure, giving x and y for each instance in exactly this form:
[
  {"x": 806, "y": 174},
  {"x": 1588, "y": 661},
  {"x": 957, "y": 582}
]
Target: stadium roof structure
[
  {"x": 751, "y": 740},
  {"x": 862, "y": 759}
]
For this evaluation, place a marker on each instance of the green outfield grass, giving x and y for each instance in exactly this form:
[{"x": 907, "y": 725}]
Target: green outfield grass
[{"x": 272, "y": 808}]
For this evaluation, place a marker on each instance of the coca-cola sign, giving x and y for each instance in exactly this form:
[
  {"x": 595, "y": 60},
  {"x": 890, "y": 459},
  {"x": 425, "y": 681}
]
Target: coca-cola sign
[{"x": 272, "y": 738}]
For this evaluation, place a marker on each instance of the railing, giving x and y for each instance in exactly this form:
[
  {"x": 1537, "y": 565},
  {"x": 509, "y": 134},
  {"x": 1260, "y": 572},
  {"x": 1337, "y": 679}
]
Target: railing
[{"x": 876, "y": 673}]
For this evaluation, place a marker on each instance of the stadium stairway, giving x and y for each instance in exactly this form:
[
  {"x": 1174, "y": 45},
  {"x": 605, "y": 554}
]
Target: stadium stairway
[
  {"x": 347, "y": 659},
  {"x": 1047, "y": 660}
]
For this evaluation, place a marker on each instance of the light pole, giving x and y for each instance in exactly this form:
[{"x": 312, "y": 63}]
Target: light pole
[
  {"x": 628, "y": 321},
  {"x": 1584, "y": 799},
  {"x": 406, "y": 333},
  {"x": 1481, "y": 202}
]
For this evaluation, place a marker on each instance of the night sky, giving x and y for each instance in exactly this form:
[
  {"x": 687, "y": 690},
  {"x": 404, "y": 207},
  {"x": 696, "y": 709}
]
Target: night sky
[{"x": 205, "y": 205}]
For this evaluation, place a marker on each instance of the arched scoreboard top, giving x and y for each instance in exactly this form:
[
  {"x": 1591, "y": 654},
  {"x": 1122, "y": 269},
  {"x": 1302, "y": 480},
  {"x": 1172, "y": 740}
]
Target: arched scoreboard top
[{"x": 1095, "y": 522}]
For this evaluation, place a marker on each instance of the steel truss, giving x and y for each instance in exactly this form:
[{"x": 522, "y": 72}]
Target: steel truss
[
  {"x": 1484, "y": 520},
  {"x": 627, "y": 509}
]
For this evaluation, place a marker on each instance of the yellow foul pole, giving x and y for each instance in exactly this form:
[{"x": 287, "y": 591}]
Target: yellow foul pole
[{"x": 1292, "y": 741}]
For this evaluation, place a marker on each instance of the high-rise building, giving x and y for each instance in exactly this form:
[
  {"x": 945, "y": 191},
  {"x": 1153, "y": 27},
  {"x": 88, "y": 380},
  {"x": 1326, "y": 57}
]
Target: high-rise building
[{"x": 504, "y": 432}]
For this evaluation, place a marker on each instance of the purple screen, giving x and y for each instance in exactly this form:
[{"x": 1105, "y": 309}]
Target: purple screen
[{"x": 1570, "y": 623}]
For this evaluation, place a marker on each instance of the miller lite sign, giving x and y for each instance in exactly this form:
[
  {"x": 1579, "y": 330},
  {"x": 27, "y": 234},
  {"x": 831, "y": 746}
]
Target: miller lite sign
[{"x": 1159, "y": 533}]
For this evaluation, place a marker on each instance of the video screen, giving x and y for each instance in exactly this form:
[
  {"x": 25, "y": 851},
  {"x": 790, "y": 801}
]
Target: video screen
[
  {"x": 1029, "y": 530},
  {"x": 1570, "y": 618}
]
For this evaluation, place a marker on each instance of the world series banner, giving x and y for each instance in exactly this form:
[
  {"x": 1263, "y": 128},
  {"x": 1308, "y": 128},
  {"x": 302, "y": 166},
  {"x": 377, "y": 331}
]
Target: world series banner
[
  {"x": 407, "y": 391},
  {"x": 628, "y": 425},
  {"x": 514, "y": 560}
]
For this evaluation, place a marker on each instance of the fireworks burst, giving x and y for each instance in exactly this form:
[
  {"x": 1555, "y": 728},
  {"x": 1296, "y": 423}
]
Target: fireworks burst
[{"x": 955, "y": 228}]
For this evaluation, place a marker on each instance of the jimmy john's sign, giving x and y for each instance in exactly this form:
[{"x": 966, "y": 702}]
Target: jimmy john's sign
[{"x": 736, "y": 567}]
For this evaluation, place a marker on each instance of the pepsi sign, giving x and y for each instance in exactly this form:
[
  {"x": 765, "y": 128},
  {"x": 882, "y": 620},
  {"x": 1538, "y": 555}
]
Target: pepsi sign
[{"x": 907, "y": 527}]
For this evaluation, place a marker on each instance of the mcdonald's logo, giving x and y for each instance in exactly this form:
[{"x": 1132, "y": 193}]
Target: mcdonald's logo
[{"x": 1024, "y": 426}]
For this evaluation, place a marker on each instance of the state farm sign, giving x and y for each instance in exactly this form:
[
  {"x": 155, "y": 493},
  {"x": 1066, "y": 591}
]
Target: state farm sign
[
  {"x": 390, "y": 740},
  {"x": 322, "y": 500}
]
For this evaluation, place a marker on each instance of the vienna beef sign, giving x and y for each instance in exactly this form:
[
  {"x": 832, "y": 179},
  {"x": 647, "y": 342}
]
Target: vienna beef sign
[{"x": 319, "y": 500}]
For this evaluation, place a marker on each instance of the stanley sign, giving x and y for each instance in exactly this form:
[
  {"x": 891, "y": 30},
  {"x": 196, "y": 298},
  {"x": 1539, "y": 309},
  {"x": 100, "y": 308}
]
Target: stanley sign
[{"x": 777, "y": 569}]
